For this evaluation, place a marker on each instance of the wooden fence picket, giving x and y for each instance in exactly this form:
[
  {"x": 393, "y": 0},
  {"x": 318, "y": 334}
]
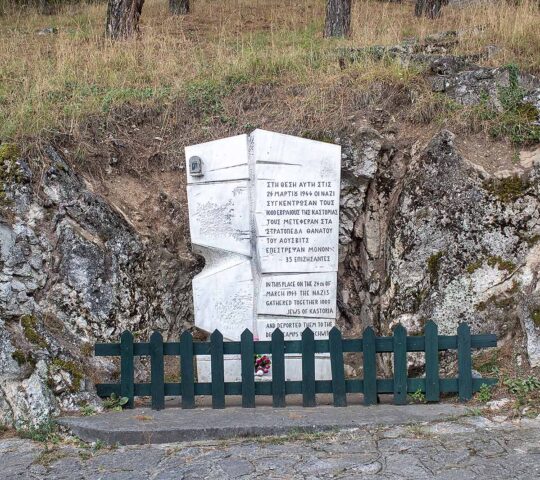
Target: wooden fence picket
[
  {"x": 308, "y": 368},
  {"x": 127, "y": 371},
  {"x": 400, "y": 365},
  {"x": 464, "y": 362},
  {"x": 157, "y": 383},
  {"x": 431, "y": 335},
  {"x": 338, "y": 368},
  {"x": 186, "y": 370},
  {"x": 278, "y": 369},
  {"x": 247, "y": 352},
  {"x": 217, "y": 369},
  {"x": 370, "y": 368}
]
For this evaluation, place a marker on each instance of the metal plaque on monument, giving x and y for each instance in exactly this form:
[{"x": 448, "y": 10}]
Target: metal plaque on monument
[{"x": 264, "y": 213}]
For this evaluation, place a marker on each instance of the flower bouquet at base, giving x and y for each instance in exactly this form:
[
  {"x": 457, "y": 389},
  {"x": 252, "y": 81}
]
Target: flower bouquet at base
[{"x": 262, "y": 365}]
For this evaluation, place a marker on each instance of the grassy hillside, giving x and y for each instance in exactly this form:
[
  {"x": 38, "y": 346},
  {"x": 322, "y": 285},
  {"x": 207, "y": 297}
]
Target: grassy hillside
[{"x": 52, "y": 82}]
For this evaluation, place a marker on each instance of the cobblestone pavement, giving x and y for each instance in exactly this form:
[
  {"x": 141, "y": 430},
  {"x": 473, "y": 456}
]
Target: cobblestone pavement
[{"x": 468, "y": 448}]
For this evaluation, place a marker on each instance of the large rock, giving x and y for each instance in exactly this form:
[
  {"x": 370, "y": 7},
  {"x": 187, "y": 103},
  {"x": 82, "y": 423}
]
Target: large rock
[
  {"x": 438, "y": 238},
  {"x": 371, "y": 181},
  {"x": 73, "y": 271}
]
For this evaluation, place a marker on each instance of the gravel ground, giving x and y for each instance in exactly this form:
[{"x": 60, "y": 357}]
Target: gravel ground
[{"x": 466, "y": 448}]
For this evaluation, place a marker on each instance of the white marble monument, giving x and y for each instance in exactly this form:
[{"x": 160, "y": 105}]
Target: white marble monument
[{"x": 264, "y": 213}]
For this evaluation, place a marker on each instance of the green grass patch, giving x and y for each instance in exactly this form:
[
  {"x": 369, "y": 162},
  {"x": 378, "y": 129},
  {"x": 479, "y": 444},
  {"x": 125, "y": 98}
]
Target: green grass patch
[
  {"x": 507, "y": 189},
  {"x": 485, "y": 393},
  {"x": 473, "y": 266},
  {"x": 515, "y": 120},
  {"x": 433, "y": 265},
  {"x": 206, "y": 96},
  {"x": 501, "y": 264},
  {"x": 535, "y": 315},
  {"x": 29, "y": 324}
]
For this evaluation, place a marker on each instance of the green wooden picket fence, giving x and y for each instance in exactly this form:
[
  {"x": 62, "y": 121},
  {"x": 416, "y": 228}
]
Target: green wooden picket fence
[{"x": 431, "y": 385}]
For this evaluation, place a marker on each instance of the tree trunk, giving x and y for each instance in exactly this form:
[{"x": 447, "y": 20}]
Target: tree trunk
[
  {"x": 46, "y": 7},
  {"x": 123, "y": 18},
  {"x": 338, "y": 18},
  {"x": 429, "y": 8},
  {"x": 179, "y": 7}
]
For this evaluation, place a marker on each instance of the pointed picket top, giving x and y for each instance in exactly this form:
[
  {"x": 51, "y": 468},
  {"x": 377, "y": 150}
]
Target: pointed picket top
[
  {"x": 216, "y": 335},
  {"x": 430, "y": 326},
  {"x": 186, "y": 334},
  {"x": 246, "y": 335},
  {"x": 156, "y": 336},
  {"x": 308, "y": 334},
  {"x": 126, "y": 335},
  {"x": 277, "y": 333},
  {"x": 400, "y": 329},
  {"x": 464, "y": 328},
  {"x": 368, "y": 331},
  {"x": 334, "y": 332}
]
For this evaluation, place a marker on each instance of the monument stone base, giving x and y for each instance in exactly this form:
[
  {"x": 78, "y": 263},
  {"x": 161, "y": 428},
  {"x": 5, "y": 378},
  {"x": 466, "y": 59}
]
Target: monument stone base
[{"x": 293, "y": 368}]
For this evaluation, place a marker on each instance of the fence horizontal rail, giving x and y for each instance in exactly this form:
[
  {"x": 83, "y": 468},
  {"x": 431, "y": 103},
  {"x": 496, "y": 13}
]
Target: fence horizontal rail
[
  {"x": 278, "y": 387},
  {"x": 293, "y": 387},
  {"x": 382, "y": 345}
]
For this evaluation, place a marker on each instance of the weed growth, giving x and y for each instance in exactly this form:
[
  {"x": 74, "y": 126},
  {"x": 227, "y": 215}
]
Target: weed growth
[
  {"x": 515, "y": 119},
  {"x": 87, "y": 410},
  {"x": 522, "y": 387},
  {"x": 418, "y": 396},
  {"x": 29, "y": 325},
  {"x": 433, "y": 265},
  {"x": 46, "y": 431},
  {"x": 115, "y": 403},
  {"x": 484, "y": 394}
]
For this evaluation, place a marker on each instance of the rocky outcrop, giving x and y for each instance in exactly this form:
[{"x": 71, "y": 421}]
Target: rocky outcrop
[
  {"x": 436, "y": 237},
  {"x": 462, "y": 243},
  {"x": 424, "y": 234},
  {"x": 372, "y": 174},
  {"x": 73, "y": 271}
]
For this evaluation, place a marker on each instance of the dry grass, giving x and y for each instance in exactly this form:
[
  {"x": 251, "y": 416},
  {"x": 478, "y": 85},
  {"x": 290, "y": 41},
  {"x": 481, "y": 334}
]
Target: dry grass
[{"x": 50, "y": 82}]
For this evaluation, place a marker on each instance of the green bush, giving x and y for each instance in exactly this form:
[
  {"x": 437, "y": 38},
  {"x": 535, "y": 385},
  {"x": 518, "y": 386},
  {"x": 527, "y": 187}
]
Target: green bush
[{"x": 88, "y": 411}]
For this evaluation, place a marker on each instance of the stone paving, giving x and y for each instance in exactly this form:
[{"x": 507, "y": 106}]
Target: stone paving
[{"x": 467, "y": 448}]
